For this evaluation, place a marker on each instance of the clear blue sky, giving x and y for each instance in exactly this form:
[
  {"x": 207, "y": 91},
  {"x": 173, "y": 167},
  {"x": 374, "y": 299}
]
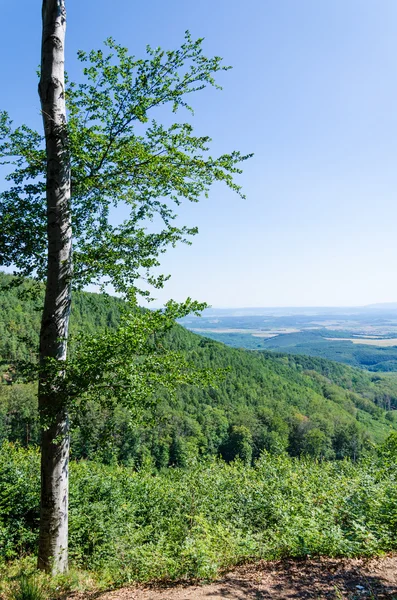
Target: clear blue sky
[{"x": 313, "y": 93}]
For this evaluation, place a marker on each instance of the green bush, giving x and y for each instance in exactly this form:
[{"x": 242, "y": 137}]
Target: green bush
[
  {"x": 19, "y": 500},
  {"x": 191, "y": 522}
]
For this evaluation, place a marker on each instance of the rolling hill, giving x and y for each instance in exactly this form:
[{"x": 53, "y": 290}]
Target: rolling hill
[{"x": 264, "y": 400}]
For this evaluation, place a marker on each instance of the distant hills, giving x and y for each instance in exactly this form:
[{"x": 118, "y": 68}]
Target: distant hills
[
  {"x": 297, "y": 310},
  {"x": 364, "y": 337},
  {"x": 383, "y": 306}
]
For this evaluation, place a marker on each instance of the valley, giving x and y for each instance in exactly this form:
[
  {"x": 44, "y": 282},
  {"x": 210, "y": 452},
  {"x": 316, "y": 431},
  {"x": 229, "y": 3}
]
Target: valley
[{"x": 364, "y": 337}]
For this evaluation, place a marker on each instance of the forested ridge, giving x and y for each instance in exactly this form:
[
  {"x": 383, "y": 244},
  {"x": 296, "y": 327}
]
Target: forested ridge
[
  {"x": 20, "y": 314},
  {"x": 261, "y": 401}
]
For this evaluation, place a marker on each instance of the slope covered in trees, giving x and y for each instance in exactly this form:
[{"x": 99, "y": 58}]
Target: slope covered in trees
[
  {"x": 262, "y": 401},
  {"x": 20, "y": 317}
]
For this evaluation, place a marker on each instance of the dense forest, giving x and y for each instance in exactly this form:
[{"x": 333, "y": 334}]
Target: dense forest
[{"x": 261, "y": 401}]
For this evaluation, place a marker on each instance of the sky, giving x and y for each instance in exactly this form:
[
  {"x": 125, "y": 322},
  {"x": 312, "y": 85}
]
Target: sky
[{"x": 312, "y": 93}]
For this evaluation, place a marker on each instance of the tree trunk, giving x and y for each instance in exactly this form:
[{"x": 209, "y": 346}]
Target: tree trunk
[{"x": 53, "y": 538}]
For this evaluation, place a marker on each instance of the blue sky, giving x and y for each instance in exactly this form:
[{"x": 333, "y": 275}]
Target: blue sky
[{"x": 312, "y": 92}]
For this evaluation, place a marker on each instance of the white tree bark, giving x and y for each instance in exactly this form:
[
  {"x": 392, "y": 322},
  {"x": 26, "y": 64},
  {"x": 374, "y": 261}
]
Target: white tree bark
[{"x": 53, "y": 538}]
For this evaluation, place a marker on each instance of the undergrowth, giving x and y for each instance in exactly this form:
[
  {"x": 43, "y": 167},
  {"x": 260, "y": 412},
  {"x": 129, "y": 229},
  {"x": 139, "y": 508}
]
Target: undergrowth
[{"x": 128, "y": 526}]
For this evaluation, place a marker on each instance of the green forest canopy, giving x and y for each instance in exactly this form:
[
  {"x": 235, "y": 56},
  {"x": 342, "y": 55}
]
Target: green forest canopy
[{"x": 264, "y": 401}]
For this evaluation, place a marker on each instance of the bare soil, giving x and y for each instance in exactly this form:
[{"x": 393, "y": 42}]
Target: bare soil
[{"x": 285, "y": 579}]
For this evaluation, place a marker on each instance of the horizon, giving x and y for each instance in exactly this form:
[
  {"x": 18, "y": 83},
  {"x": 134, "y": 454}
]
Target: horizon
[
  {"x": 380, "y": 306},
  {"x": 229, "y": 307},
  {"x": 154, "y": 305}
]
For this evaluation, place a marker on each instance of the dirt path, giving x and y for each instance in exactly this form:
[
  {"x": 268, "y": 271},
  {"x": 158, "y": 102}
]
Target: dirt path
[{"x": 287, "y": 579}]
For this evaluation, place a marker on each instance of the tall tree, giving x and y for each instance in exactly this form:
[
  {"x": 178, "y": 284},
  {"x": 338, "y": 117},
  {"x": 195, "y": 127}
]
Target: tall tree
[
  {"x": 53, "y": 537},
  {"x": 107, "y": 155}
]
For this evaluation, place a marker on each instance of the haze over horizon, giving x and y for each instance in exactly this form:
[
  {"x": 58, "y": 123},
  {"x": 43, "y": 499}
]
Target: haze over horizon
[
  {"x": 259, "y": 310},
  {"x": 375, "y": 305},
  {"x": 312, "y": 93}
]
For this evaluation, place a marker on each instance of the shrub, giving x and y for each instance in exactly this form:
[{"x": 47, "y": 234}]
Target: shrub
[{"x": 191, "y": 522}]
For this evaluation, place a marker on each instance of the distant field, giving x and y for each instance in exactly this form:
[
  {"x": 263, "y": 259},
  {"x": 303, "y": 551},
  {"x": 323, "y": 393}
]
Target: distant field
[
  {"x": 383, "y": 343},
  {"x": 264, "y": 335},
  {"x": 254, "y": 332},
  {"x": 231, "y": 330},
  {"x": 366, "y": 339}
]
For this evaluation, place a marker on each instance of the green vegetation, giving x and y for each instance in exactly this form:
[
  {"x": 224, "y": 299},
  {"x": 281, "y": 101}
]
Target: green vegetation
[
  {"x": 263, "y": 401},
  {"x": 27, "y": 589},
  {"x": 372, "y": 358},
  {"x": 20, "y": 314},
  {"x": 154, "y": 499},
  {"x": 187, "y": 523}
]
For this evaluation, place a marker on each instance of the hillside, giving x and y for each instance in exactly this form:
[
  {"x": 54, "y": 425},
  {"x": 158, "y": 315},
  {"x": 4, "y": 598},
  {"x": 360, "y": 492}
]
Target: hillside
[
  {"x": 265, "y": 401},
  {"x": 20, "y": 318},
  {"x": 317, "y": 344}
]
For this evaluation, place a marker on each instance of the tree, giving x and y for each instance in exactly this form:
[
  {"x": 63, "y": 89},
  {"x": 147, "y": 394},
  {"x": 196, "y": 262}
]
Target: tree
[
  {"x": 53, "y": 536},
  {"x": 347, "y": 441},
  {"x": 238, "y": 445},
  {"x": 316, "y": 443},
  {"x": 56, "y": 219}
]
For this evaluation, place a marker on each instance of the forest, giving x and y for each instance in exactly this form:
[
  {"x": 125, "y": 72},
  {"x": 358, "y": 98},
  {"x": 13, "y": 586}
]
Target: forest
[{"x": 260, "y": 401}]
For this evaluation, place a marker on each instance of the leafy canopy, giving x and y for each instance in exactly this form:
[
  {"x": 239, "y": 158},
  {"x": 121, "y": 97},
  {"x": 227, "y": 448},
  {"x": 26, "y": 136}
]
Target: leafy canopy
[{"x": 120, "y": 157}]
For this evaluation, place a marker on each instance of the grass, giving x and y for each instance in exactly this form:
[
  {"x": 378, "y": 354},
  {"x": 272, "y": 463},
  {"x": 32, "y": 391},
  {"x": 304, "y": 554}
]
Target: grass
[
  {"x": 19, "y": 580},
  {"x": 28, "y": 588}
]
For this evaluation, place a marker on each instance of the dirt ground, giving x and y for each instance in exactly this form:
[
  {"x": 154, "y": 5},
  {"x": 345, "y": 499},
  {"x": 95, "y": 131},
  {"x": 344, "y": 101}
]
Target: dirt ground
[{"x": 286, "y": 579}]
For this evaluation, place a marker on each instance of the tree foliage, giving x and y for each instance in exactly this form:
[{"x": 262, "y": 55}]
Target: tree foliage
[{"x": 121, "y": 158}]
